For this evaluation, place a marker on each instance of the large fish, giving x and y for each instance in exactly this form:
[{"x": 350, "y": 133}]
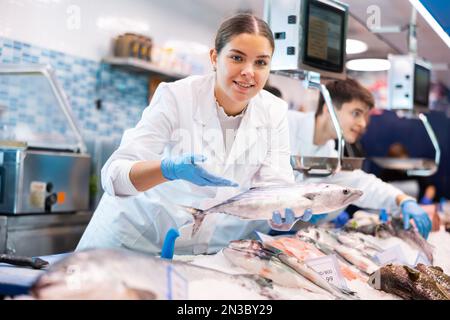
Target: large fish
[
  {"x": 259, "y": 203},
  {"x": 407, "y": 283},
  {"x": 121, "y": 274},
  {"x": 251, "y": 256}
]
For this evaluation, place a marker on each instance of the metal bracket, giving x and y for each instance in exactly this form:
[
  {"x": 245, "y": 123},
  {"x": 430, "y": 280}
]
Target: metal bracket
[{"x": 326, "y": 166}]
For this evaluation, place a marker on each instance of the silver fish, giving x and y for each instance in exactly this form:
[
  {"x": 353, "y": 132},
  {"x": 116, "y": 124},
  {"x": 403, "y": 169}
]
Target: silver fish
[
  {"x": 260, "y": 203},
  {"x": 326, "y": 242},
  {"x": 122, "y": 274},
  {"x": 314, "y": 277},
  {"x": 251, "y": 256}
]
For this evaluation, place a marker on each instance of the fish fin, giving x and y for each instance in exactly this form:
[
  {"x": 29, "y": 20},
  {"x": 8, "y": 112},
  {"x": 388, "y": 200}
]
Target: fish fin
[
  {"x": 310, "y": 195},
  {"x": 198, "y": 215},
  {"x": 413, "y": 274}
]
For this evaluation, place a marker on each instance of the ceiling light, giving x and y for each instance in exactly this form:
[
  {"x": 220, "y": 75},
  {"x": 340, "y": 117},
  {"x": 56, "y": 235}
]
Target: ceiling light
[
  {"x": 355, "y": 46},
  {"x": 368, "y": 64},
  {"x": 431, "y": 21}
]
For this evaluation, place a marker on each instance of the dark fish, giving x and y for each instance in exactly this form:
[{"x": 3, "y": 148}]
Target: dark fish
[
  {"x": 407, "y": 283},
  {"x": 437, "y": 274}
]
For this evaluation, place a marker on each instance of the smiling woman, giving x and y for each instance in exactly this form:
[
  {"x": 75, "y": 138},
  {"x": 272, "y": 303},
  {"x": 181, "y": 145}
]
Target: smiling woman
[
  {"x": 202, "y": 140},
  {"x": 241, "y": 58}
]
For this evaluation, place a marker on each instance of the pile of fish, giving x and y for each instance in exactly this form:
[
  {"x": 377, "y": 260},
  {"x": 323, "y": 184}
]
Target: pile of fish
[
  {"x": 121, "y": 274},
  {"x": 394, "y": 228},
  {"x": 260, "y": 203},
  {"x": 419, "y": 283},
  {"x": 283, "y": 260},
  {"x": 281, "y": 268}
]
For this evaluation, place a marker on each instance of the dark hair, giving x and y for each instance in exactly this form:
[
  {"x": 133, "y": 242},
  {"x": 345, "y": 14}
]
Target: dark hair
[
  {"x": 344, "y": 91},
  {"x": 242, "y": 23}
]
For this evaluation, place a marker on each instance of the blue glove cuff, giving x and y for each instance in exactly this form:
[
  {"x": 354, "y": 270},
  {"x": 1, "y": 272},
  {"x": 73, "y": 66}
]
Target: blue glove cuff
[
  {"x": 168, "y": 169},
  {"x": 406, "y": 201}
]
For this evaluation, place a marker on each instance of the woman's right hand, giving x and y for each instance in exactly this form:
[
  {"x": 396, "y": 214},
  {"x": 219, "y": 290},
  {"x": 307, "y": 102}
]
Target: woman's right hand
[{"x": 186, "y": 167}]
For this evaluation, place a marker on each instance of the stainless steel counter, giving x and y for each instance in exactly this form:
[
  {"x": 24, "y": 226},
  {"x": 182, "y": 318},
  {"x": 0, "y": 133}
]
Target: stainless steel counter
[{"x": 42, "y": 234}]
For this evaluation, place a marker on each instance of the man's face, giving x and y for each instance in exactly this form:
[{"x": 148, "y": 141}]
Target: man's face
[{"x": 353, "y": 118}]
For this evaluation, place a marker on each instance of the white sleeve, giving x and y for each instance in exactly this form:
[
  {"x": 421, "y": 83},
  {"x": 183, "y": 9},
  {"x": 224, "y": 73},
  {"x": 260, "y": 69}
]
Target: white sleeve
[
  {"x": 276, "y": 167},
  {"x": 144, "y": 142},
  {"x": 377, "y": 193}
]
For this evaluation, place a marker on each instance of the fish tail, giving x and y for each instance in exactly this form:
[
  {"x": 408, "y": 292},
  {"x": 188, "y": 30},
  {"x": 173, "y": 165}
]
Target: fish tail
[{"x": 198, "y": 215}]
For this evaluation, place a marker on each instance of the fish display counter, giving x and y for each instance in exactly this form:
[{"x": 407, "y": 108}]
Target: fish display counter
[{"x": 273, "y": 268}]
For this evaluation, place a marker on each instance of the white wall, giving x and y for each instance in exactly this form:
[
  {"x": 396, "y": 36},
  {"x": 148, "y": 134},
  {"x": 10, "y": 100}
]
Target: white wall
[{"x": 72, "y": 26}]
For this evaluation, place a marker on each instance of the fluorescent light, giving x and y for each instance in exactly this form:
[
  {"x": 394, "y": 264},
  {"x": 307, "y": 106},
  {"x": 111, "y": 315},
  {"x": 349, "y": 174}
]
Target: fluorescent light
[
  {"x": 368, "y": 64},
  {"x": 355, "y": 46},
  {"x": 431, "y": 21}
]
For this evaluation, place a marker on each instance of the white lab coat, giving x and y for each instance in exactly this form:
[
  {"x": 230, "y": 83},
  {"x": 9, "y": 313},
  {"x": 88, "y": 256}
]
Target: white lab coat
[
  {"x": 182, "y": 118},
  {"x": 377, "y": 194}
]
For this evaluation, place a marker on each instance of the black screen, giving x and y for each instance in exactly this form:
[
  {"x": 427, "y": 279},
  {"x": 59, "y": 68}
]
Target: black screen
[
  {"x": 422, "y": 77},
  {"x": 325, "y": 33}
]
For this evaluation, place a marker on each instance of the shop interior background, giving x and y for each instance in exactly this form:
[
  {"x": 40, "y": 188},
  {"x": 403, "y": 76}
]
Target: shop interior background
[{"x": 75, "y": 37}]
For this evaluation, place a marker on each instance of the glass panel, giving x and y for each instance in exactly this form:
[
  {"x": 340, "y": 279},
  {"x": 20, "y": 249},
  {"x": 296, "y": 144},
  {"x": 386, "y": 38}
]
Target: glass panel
[{"x": 31, "y": 112}]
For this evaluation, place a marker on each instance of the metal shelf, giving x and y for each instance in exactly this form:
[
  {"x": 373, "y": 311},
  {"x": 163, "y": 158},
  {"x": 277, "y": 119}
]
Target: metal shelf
[{"x": 138, "y": 65}]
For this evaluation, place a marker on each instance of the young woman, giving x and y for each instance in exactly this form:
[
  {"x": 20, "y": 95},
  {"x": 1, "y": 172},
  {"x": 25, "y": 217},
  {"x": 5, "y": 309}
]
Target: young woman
[{"x": 202, "y": 140}]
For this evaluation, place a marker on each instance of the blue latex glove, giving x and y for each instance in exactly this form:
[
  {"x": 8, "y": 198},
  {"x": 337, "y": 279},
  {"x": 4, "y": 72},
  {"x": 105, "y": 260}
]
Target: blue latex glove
[
  {"x": 185, "y": 167},
  {"x": 410, "y": 209},
  {"x": 317, "y": 217},
  {"x": 286, "y": 223}
]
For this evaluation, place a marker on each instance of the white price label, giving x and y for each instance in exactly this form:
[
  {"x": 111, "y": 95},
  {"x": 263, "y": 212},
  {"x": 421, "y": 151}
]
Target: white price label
[
  {"x": 422, "y": 258},
  {"x": 177, "y": 285},
  {"x": 264, "y": 237},
  {"x": 391, "y": 255},
  {"x": 328, "y": 268}
]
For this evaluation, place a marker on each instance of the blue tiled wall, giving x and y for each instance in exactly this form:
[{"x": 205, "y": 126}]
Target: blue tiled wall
[{"x": 123, "y": 94}]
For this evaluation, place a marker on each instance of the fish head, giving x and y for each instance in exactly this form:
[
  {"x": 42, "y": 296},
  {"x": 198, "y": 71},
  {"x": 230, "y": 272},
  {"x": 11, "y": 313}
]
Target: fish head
[{"x": 333, "y": 196}]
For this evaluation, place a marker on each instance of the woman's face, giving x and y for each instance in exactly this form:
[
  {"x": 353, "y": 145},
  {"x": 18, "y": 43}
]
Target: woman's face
[{"x": 242, "y": 69}]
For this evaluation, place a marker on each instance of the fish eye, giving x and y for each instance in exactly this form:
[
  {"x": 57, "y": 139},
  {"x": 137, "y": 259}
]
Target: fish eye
[{"x": 346, "y": 191}]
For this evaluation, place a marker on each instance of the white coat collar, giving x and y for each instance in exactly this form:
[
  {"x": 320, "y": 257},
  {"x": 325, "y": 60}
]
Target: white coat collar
[{"x": 205, "y": 110}]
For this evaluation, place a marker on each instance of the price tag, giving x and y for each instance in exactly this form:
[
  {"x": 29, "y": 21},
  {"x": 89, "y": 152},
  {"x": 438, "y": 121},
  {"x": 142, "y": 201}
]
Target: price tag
[
  {"x": 422, "y": 258},
  {"x": 264, "y": 237},
  {"x": 177, "y": 285},
  {"x": 328, "y": 268},
  {"x": 391, "y": 255}
]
